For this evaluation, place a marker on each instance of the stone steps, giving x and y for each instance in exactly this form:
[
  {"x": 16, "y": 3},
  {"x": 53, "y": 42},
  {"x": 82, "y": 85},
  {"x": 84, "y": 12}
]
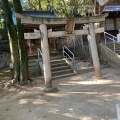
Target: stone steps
[
  {"x": 61, "y": 72},
  {"x": 62, "y": 76},
  {"x": 58, "y": 64},
  {"x": 33, "y": 66},
  {"x": 110, "y": 45},
  {"x": 60, "y": 61},
  {"x": 32, "y": 63},
  {"x": 60, "y": 69}
]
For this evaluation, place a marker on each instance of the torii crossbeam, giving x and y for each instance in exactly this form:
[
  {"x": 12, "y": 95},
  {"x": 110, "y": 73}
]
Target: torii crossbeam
[{"x": 50, "y": 21}]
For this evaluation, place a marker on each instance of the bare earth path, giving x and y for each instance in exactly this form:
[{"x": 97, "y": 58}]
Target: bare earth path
[{"x": 79, "y": 98}]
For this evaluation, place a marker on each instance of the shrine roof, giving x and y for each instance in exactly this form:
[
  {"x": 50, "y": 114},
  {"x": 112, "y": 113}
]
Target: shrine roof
[
  {"x": 115, "y": 8},
  {"x": 41, "y": 14}
]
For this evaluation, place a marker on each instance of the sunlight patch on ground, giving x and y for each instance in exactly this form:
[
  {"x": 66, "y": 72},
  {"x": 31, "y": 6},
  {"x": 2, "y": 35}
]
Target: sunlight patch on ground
[
  {"x": 86, "y": 118},
  {"x": 57, "y": 95},
  {"x": 55, "y": 111},
  {"x": 23, "y": 92},
  {"x": 97, "y": 82},
  {"x": 69, "y": 115},
  {"x": 66, "y": 84},
  {"x": 83, "y": 92},
  {"x": 88, "y": 82},
  {"x": 37, "y": 101},
  {"x": 23, "y": 101}
]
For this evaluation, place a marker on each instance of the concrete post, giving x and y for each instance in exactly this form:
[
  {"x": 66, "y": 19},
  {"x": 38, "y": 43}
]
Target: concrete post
[
  {"x": 94, "y": 51},
  {"x": 118, "y": 110},
  {"x": 46, "y": 59}
]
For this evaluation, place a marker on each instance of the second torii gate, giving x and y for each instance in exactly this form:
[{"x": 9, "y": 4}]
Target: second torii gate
[{"x": 43, "y": 22}]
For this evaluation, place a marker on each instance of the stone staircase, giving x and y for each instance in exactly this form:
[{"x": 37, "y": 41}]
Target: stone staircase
[
  {"x": 111, "y": 46},
  {"x": 33, "y": 67},
  {"x": 111, "y": 42},
  {"x": 60, "y": 69}
]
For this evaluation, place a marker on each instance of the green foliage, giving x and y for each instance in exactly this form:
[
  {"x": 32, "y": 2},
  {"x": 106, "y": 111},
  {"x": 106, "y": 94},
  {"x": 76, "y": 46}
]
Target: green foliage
[
  {"x": 63, "y": 8},
  {"x": 1, "y": 16},
  {"x": 3, "y": 28},
  {"x": 35, "y": 5},
  {"x": 78, "y": 7}
]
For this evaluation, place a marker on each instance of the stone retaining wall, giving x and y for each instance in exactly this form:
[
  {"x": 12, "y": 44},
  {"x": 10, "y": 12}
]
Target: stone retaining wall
[
  {"x": 112, "y": 58},
  {"x": 4, "y": 60}
]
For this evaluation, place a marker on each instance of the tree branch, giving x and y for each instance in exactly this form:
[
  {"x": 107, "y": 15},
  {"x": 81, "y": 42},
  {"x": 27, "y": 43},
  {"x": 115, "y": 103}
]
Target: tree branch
[{"x": 32, "y": 5}]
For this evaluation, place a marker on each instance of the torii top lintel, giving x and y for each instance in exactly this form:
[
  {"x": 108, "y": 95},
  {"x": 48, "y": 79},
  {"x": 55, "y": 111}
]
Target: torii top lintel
[{"x": 56, "y": 21}]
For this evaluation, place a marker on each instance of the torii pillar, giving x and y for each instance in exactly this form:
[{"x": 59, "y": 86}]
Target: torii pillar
[
  {"x": 94, "y": 51},
  {"x": 46, "y": 60}
]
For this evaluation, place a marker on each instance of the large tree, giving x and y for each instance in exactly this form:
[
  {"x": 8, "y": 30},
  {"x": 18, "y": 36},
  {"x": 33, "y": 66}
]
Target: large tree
[
  {"x": 18, "y": 49},
  {"x": 12, "y": 41},
  {"x": 21, "y": 43}
]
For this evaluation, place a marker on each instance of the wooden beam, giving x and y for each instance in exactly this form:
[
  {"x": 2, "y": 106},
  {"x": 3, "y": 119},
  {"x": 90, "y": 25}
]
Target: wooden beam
[
  {"x": 60, "y": 33},
  {"x": 56, "y": 21}
]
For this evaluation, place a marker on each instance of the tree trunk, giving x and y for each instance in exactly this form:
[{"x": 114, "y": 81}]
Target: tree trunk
[
  {"x": 12, "y": 41},
  {"x": 21, "y": 43},
  {"x": 40, "y": 6},
  {"x": 29, "y": 3}
]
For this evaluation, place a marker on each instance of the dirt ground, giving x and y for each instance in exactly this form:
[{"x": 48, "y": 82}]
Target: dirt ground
[{"x": 81, "y": 97}]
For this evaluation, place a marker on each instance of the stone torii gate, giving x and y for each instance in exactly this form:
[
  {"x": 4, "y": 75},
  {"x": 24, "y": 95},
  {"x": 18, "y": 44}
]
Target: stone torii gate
[{"x": 43, "y": 22}]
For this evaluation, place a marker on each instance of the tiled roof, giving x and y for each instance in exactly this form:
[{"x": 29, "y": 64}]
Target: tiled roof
[
  {"x": 40, "y": 14},
  {"x": 112, "y": 8}
]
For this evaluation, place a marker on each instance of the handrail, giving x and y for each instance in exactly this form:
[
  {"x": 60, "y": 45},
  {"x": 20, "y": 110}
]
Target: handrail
[
  {"x": 110, "y": 34},
  {"x": 113, "y": 38},
  {"x": 65, "y": 53},
  {"x": 39, "y": 53}
]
